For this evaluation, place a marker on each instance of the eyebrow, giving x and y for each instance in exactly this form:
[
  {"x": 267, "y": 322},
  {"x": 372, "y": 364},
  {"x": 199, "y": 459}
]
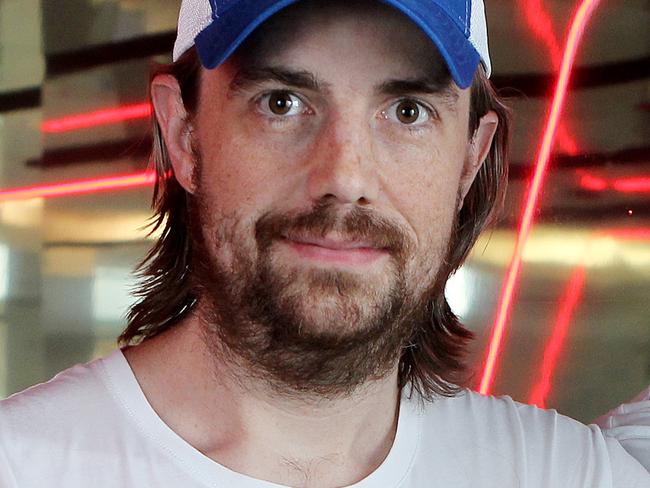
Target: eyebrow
[
  {"x": 257, "y": 75},
  {"x": 437, "y": 84}
]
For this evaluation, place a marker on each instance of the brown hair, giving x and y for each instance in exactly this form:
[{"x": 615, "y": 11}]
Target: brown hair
[{"x": 433, "y": 362}]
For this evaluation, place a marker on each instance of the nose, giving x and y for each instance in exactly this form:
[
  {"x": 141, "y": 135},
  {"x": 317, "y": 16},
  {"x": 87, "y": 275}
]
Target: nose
[{"x": 343, "y": 164}]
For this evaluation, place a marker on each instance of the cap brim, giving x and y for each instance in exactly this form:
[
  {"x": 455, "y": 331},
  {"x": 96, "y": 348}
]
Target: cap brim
[{"x": 232, "y": 26}]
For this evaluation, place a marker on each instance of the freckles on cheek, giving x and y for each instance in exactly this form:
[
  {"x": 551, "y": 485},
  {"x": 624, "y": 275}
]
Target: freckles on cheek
[
  {"x": 428, "y": 189},
  {"x": 249, "y": 181},
  {"x": 428, "y": 202}
]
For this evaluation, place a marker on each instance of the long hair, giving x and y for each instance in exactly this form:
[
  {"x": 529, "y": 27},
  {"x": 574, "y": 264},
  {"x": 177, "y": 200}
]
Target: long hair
[{"x": 434, "y": 360}]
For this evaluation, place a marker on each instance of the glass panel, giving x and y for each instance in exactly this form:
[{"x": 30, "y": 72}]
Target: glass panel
[{"x": 102, "y": 21}]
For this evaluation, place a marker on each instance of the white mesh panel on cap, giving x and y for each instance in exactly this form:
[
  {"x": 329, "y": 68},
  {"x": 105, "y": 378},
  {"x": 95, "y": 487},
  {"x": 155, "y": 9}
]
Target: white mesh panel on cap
[
  {"x": 478, "y": 33},
  {"x": 195, "y": 15}
]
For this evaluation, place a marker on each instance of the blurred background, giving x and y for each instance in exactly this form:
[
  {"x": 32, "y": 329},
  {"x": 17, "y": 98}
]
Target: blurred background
[{"x": 73, "y": 84}]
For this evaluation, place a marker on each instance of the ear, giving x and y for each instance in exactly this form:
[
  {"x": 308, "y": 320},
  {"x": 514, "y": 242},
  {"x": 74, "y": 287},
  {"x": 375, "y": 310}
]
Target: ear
[
  {"x": 176, "y": 130},
  {"x": 478, "y": 150}
]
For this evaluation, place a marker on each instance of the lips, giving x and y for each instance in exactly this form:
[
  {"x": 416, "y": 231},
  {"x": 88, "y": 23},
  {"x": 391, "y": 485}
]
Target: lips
[
  {"x": 334, "y": 244},
  {"x": 335, "y": 251}
]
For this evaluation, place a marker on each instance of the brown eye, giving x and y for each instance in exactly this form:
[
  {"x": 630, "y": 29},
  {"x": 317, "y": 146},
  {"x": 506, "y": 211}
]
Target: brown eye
[
  {"x": 280, "y": 103},
  {"x": 408, "y": 112}
]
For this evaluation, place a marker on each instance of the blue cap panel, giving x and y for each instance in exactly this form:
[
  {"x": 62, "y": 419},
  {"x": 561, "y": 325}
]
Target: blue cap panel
[
  {"x": 460, "y": 11},
  {"x": 445, "y": 23},
  {"x": 446, "y": 33},
  {"x": 232, "y": 26}
]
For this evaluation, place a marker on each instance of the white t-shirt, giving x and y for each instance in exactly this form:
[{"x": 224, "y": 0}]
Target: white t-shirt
[{"x": 92, "y": 427}]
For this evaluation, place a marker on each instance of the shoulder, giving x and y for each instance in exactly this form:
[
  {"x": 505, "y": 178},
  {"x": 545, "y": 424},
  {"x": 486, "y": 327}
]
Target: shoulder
[
  {"x": 67, "y": 414},
  {"x": 500, "y": 434},
  {"x": 501, "y": 420},
  {"x": 75, "y": 420},
  {"x": 70, "y": 393}
]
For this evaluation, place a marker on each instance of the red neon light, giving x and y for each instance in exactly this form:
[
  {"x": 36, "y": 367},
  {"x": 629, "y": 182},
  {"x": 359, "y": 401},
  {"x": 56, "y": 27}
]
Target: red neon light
[
  {"x": 568, "y": 143},
  {"x": 637, "y": 234},
  {"x": 97, "y": 118},
  {"x": 540, "y": 23},
  {"x": 632, "y": 185},
  {"x": 568, "y": 305},
  {"x": 593, "y": 183},
  {"x": 575, "y": 34},
  {"x": 569, "y": 302},
  {"x": 120, "y": 182},
  {"x": 638, "y": 184}
]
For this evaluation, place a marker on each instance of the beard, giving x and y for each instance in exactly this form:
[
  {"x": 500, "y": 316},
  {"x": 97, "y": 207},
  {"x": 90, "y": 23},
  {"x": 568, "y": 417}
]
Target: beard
[{"x": 314, "y": 331}]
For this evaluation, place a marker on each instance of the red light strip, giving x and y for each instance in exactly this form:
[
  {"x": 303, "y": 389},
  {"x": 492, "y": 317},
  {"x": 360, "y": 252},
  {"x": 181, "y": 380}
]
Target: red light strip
[
  {"x": 637, "y": 184},
  {"x": 540, "y": 24},
  {"x": 567, "y": 142},
  {"x": 575, "y": 34},
  {"x": 97, "y": 118},
  {"x": 632, "y": 185},
  {"x": 569, "y": 302},
  {"x": 78, "y": 187},
  {"x": 639, "y": 234},
  {"x": 593, "y": 183},
  {"x": 568, "y": 305}
]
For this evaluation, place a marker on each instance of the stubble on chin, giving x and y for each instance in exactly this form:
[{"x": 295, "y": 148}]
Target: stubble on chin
[{"x": 323, "y": 332}]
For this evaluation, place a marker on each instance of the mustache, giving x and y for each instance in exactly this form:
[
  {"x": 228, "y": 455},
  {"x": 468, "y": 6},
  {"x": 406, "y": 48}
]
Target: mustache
[{"x": 357, "y": 224}]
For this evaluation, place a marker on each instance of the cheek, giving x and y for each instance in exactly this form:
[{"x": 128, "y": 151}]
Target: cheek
[
  {"x": 239, "y": 172},
  {"x": 432, "y": 220},
  {"x": 239, "y": 166},
  {"x": 228, "y": 235},
  {"x": 423, "y": 182},
  {"x": 424, "y": 188},
  {"x": 432, "y": 217}
]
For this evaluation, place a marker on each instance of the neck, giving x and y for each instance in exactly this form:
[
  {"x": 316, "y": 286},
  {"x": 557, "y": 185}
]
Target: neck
[{"x": 247, "y": 426}]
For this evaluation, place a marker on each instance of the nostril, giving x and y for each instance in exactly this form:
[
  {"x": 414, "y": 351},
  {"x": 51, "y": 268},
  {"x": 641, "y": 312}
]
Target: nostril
[{"x": 363, "y": 201}]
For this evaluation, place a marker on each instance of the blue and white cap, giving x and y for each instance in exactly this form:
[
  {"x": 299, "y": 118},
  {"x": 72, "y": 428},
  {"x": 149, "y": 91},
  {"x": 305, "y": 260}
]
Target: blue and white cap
[{"x": 218, "y": 27}]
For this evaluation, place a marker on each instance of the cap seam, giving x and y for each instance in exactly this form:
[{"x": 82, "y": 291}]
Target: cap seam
[{"x": 213, "y": 6}]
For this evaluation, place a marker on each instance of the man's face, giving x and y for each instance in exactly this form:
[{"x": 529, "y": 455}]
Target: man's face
[{"x": 332, "y": 157}]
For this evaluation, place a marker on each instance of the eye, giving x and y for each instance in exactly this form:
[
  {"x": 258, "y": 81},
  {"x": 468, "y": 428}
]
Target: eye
[
  {"x": 408, "y": 112},
  {"x": 282, "y": 103}
]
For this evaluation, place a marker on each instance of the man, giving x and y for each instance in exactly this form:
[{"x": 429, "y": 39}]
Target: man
[{"x": 323, "y": 170}]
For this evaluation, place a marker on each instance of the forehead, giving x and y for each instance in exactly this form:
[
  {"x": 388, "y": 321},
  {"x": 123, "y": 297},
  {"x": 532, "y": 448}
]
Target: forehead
[{"x": 369, "y": 29}]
